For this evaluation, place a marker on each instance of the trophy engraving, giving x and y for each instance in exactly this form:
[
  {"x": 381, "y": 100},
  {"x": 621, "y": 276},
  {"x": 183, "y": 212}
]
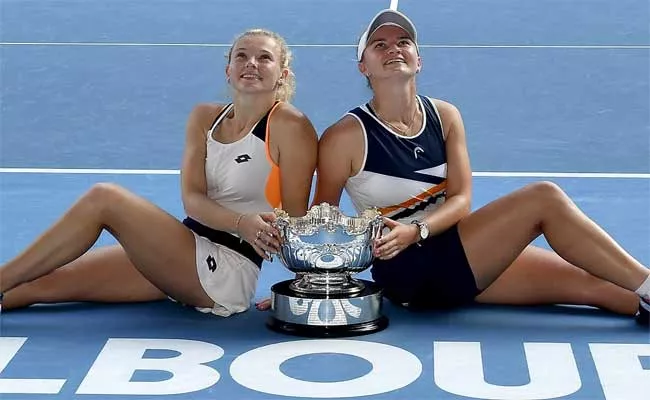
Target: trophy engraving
[{"x": 324, "y": 249}]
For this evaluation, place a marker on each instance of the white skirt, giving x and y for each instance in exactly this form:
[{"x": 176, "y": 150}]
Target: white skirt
[{"x": 229, "y": 278}]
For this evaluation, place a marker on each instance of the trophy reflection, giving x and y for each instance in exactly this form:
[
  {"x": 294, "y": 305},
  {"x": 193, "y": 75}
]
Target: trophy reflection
[{"x": 324, "y": 249}]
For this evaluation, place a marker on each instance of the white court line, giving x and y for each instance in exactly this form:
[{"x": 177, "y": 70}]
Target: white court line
[
  {"x": 598, "y": 175},
  {"x": 436, "y": 46},
  {"x": 89, "y": 171},
  {"x": 112, "y": 171},
  {"x": 393, "y": 4}
]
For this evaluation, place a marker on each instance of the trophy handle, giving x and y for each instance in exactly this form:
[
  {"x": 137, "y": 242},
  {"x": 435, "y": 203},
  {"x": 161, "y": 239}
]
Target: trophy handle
[{"x": 377, "y": 228}]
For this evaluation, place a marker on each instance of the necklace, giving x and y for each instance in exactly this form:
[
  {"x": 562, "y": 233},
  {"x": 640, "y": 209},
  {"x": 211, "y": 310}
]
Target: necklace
[{"x": 409, "y": 126}]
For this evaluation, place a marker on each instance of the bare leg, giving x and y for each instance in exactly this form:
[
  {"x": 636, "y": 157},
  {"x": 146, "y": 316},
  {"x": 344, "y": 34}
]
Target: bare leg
[
  {"x": 101, "y": 275},
  {"x": 159, "y": 246},
  {"x": 495, "y": 235},
  {"x": 539, "y": 276}
]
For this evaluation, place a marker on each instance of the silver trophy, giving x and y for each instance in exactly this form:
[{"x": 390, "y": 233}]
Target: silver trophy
[{"x": 324, "y": 249}]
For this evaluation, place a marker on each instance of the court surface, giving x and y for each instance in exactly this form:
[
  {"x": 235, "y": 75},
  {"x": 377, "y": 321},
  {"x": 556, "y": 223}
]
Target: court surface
[{"x": 99, "y": 90}]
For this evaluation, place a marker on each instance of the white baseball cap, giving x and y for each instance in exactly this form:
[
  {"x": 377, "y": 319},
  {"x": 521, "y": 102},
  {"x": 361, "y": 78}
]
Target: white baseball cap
[{"x": 386, "y": 17}]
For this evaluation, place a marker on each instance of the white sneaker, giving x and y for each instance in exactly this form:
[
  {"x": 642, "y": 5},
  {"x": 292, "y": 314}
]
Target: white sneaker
[{"x": 643, "y": 315}]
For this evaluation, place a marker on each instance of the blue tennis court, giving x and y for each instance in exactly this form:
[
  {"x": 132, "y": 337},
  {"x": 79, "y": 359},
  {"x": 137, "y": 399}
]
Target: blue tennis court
[{"x": 99, "y": 90}]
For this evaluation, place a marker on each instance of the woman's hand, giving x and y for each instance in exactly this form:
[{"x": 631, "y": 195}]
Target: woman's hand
[
  {"x": 400, "y": 237},
  {"x": 257, "y": 230}
]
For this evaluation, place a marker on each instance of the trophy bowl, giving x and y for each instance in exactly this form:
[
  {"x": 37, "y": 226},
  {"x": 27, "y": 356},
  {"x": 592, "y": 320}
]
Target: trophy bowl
[{"x": 324, "y": 249}]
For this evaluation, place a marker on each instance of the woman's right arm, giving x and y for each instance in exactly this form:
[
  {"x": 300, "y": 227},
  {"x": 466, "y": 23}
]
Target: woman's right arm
[{"x": 338, "y": 149}]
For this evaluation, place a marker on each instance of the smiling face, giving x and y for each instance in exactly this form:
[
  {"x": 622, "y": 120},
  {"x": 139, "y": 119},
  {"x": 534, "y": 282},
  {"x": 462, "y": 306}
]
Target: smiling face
[
  {"x": 257, "y": 64},
  {"x": 390, "y": 53}
]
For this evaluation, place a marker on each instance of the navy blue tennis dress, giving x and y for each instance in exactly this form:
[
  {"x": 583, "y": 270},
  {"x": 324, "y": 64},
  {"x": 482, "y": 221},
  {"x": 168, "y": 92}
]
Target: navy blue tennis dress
[{"x": 405, "y": 177}]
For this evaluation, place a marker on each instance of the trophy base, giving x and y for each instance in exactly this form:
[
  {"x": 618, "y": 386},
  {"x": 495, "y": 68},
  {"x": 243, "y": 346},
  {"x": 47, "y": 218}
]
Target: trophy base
[{"x": 331, "y": 315}]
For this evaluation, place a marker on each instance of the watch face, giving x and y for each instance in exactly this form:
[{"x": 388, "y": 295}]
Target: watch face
[{"x": 424, "y": 230}]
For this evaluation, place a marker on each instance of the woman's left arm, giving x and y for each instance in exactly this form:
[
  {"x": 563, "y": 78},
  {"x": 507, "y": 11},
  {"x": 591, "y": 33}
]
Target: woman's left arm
[{"x": 294, "y": 147}]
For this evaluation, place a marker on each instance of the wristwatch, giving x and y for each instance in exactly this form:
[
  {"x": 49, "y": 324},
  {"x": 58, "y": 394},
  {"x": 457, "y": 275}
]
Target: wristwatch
[{"x": 423, "y": 228}]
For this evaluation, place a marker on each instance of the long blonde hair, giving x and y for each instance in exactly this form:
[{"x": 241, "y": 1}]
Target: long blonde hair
[{"x": 287, "y": 88}]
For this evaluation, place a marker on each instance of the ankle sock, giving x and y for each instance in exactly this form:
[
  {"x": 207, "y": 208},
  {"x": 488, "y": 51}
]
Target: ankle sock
[{"x": 644, "y": 290}]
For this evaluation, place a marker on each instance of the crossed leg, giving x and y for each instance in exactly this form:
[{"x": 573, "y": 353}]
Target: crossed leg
[
  {"x": 101, "y": 275},
  {"x": 539, "y": 276}
]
